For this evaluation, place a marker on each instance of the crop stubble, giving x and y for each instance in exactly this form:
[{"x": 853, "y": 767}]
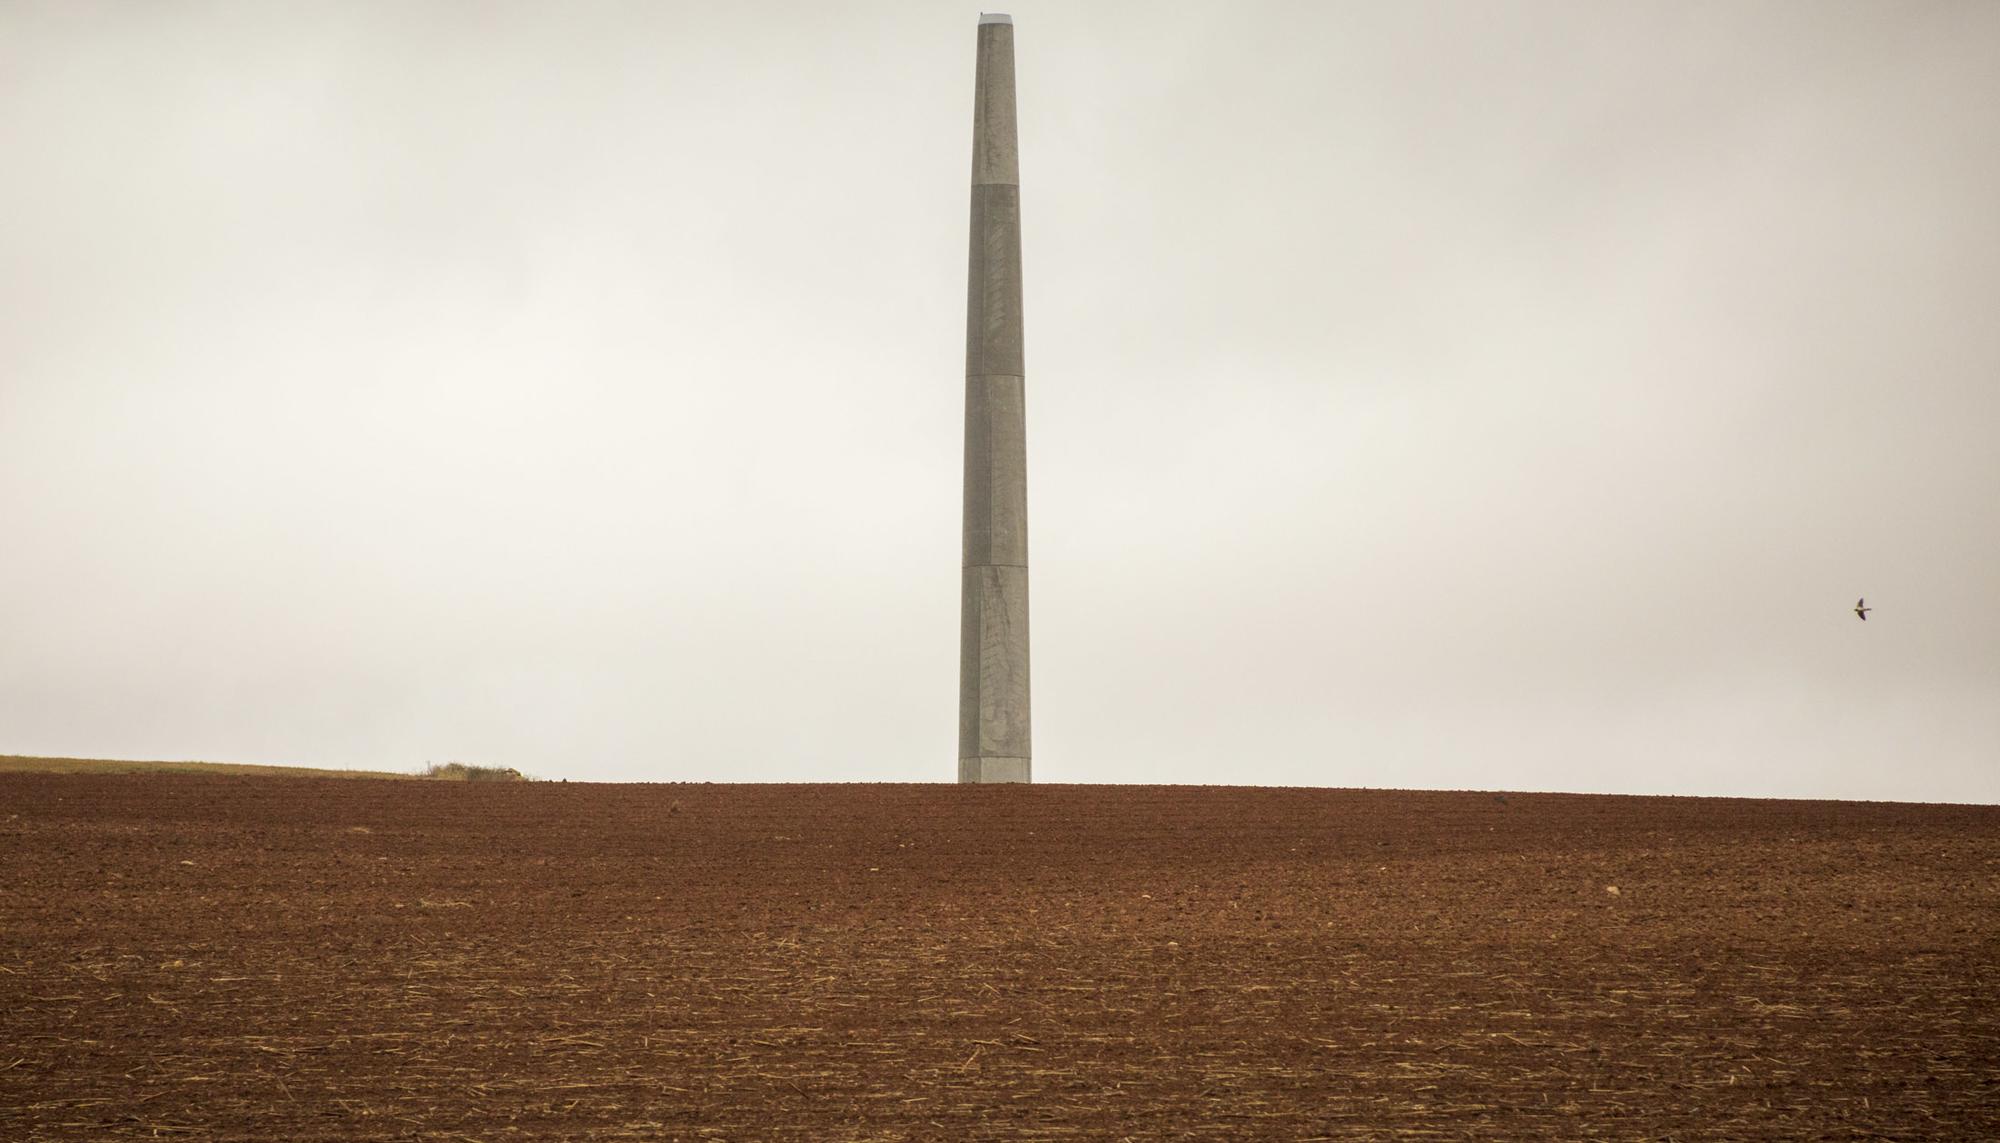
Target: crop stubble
[{"x": 259, "y": 958}]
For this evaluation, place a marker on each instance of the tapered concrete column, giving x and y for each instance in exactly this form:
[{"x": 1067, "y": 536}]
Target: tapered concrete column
[{"x": 993, "y": 629}]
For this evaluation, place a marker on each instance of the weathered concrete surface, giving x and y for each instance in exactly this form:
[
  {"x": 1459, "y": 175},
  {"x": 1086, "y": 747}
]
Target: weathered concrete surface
[
  {"x": 993, "y": 671},
  {"x": 993, "y": 722},
  {"x": 996, "y": 472},
  {"x": 993, "y": 769}
]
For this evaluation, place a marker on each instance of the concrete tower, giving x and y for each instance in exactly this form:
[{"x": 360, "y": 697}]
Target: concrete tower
[{"x": 993, "y": 626}]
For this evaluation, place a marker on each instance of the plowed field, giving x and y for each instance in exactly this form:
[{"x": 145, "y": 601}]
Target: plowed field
[{"x": 296, "y": 959}]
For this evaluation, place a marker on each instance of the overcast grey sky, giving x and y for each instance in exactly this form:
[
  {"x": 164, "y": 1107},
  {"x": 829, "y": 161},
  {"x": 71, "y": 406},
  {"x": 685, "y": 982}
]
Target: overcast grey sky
[{"x": 1508, "y": 396}]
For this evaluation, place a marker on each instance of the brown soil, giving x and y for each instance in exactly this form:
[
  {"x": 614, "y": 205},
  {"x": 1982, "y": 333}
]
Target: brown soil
[{"x": 298, "y": 959}]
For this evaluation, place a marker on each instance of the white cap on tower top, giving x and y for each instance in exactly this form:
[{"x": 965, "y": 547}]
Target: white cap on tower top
[{"x": 995, "y": 18}]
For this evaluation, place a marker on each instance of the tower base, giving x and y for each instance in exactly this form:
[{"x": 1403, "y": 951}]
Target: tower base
[{"x": 992, "y": 770}]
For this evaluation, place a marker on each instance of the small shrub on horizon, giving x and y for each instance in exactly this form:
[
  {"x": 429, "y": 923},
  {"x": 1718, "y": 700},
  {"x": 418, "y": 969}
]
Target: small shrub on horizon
[{"x": 460, "y": 772}]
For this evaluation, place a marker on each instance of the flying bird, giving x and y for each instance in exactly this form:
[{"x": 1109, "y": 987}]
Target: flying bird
[{"x": 1862, "y": 609}]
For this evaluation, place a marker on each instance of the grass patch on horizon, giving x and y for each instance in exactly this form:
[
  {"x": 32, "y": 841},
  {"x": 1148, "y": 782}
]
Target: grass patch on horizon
[{"x": 26, "y": 764}]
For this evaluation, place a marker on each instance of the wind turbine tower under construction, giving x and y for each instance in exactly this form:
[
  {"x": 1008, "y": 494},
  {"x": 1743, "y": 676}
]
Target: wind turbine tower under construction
[{"x": 993, "y": 626}]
